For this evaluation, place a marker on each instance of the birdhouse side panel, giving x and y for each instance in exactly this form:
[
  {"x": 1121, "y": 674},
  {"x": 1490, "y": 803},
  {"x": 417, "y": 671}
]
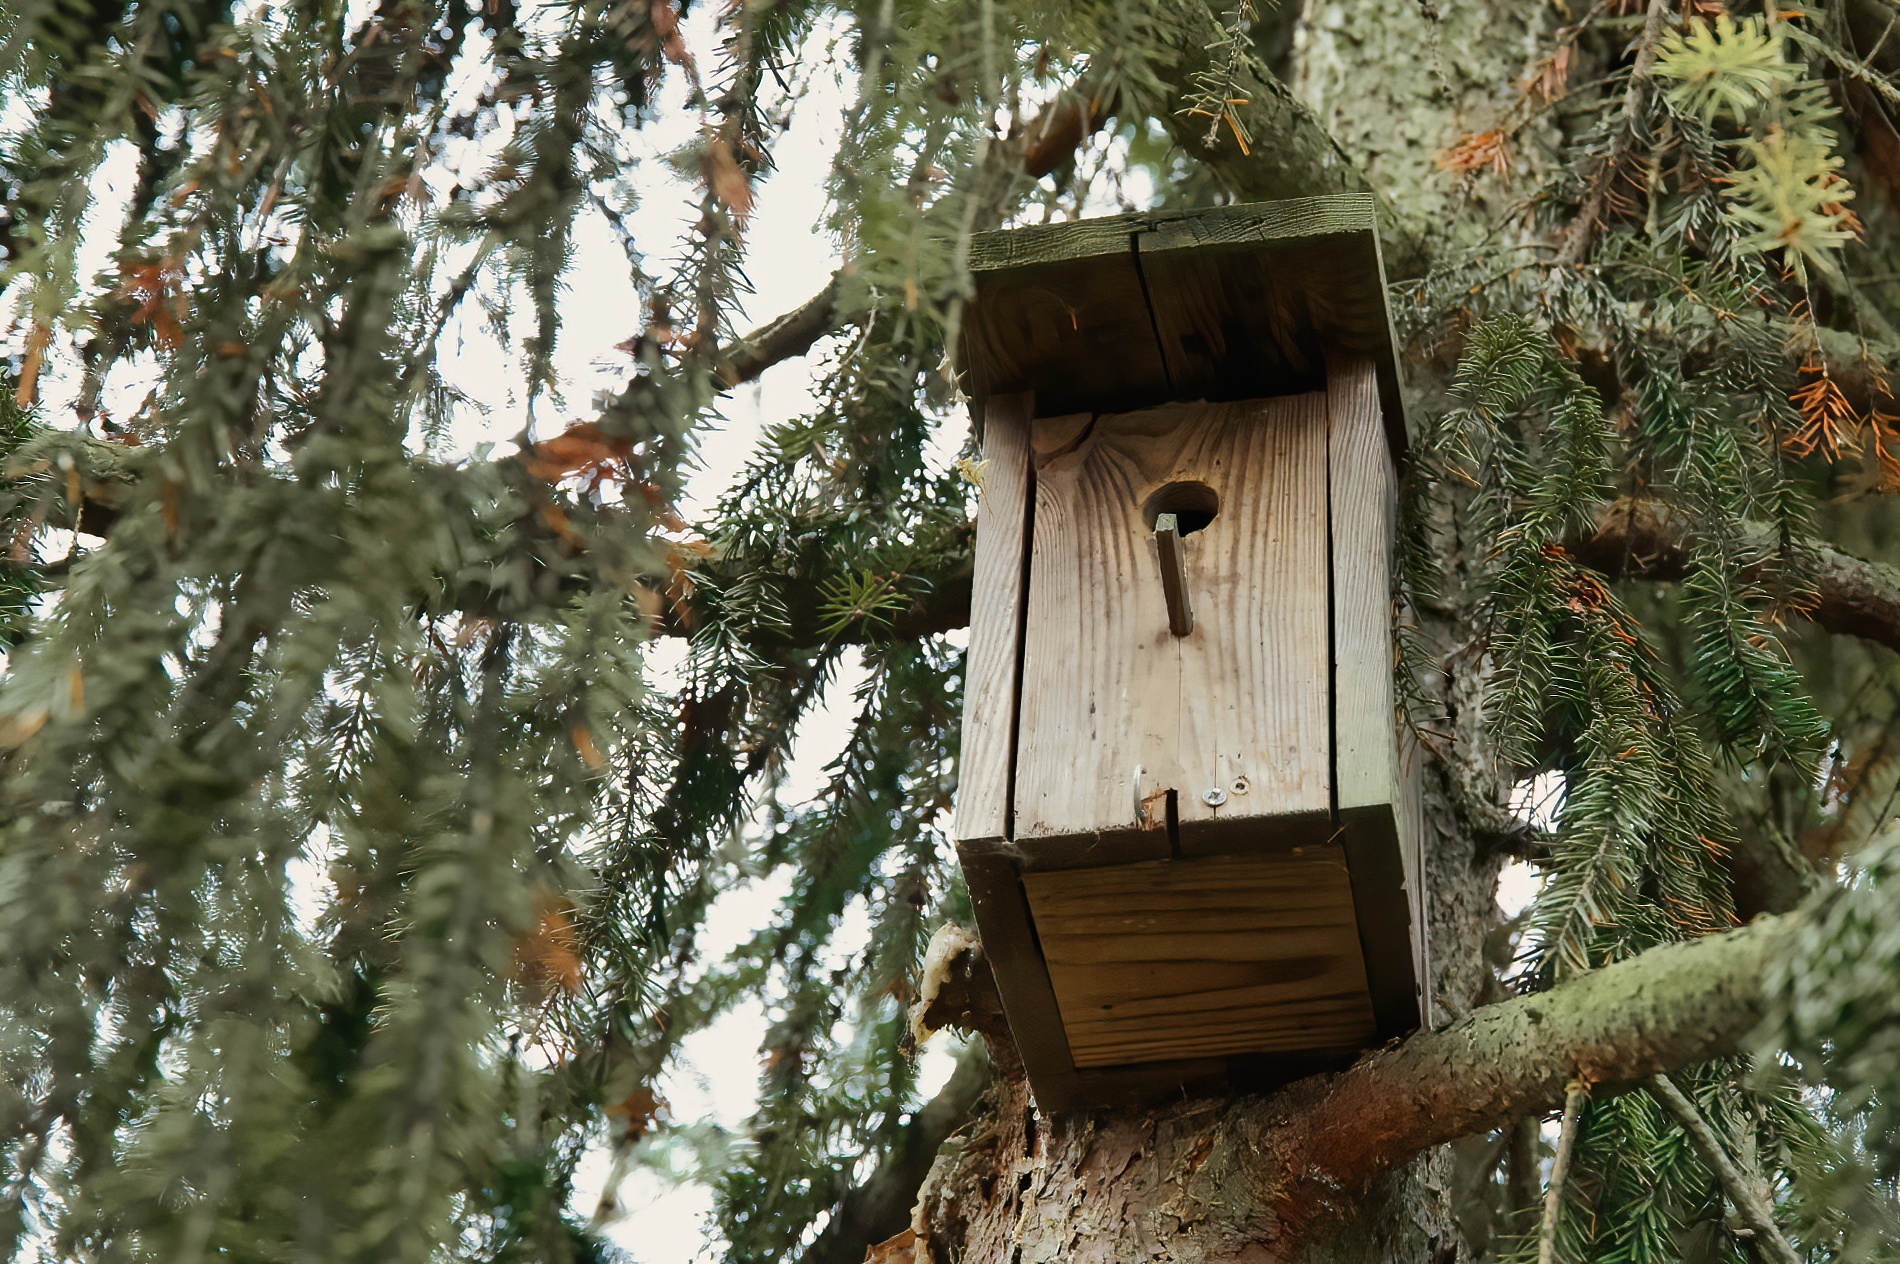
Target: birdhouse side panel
[
  {"x": 1363, "y": 495},
  {"x": 1387, "y": 878},
  {"x": 996, "y": 593},
  {"x": 1116, "y": 710}
]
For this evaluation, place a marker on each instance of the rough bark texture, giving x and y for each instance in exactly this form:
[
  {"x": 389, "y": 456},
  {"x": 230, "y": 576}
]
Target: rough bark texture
[{"x": 1330, "y": 1168}]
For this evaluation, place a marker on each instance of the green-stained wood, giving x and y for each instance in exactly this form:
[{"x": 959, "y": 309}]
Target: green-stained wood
[{"x": 1230, "y": 303}]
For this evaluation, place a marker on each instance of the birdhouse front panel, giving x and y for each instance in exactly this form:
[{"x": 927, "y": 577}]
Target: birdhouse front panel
[
  {"x": 1180, "y": 811},
  {"x": 1130, "y": 737}
]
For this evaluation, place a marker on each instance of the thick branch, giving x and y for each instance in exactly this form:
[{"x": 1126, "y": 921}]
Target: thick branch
[
  {"x": 1214, "y": 1180},
  {"x": 1646, "y": 539},
  {"x": 1614, "y": 1028}
]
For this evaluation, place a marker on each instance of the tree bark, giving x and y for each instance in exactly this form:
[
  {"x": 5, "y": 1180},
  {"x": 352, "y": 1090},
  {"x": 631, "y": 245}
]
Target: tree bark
[{"x": 1290, "y": 1176}]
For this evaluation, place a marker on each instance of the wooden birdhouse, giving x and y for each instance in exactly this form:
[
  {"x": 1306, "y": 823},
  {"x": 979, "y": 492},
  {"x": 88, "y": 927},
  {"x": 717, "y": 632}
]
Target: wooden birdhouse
[{"x": 1181, "y": 810}]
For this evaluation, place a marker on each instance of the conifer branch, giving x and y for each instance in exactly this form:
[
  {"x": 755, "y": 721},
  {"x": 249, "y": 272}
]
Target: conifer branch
[
  {"x": 1741, "y": 1192},
  {"x": 784, "y": 338},
  {"x": 1583, "y": 229},
  {"x": 1645, "y": 539},
  {"x": 881, "y": 1206}
]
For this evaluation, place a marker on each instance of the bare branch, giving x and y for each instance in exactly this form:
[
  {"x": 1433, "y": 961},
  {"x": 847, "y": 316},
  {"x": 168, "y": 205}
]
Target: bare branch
[
  {"x": 1574, "y": 1097},
  {"x": 785, "y": 338},
  {"x": 882, "y": 1205},
  {"x": 1743, "y": 1193}
]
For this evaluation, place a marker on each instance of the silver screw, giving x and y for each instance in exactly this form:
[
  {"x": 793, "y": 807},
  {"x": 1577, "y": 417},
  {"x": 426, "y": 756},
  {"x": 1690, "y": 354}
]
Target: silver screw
[{"x": 1214, "y": 798}]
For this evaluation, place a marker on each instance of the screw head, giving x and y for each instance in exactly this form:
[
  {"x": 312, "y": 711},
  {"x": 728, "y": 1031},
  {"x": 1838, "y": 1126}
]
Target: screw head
[{"x": 1214, "y": 798}]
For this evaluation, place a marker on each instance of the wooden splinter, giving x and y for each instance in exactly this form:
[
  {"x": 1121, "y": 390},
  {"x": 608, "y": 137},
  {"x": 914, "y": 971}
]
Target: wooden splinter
[{"x": 1174, "y": 574}]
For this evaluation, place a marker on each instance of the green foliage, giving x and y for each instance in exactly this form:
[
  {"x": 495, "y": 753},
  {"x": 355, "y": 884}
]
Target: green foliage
[
  {"x": 1827, "y": 1001},
  {"x": 1791, "y": 194},
  {"x": 1725, "y": 68},
  {"x": 1682, "y": 728}
]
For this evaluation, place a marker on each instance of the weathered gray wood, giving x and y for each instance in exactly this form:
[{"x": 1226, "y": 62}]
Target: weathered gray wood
[
  {"x": 1115, "y": 711},
  {"x": 1384, "y": 913},
  {"x": 996, "y": 594},
  {"x": 1174, "y": 579},
  {"x": 1289, "y": 219},
  {"x": 1012, "y": 248},
  {"x": 1204, "y": 957},
  {"x": 1076, "y": 332},
  {"x": 1363, "y": 496},
  {"x": 1412, "y": 834}
]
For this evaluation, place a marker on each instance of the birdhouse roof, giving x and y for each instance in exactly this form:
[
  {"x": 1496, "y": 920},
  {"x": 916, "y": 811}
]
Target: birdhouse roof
[{"x": 1234, "y": 302}]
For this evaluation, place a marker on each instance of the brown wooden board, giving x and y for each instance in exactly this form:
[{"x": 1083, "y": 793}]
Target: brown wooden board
[
  {"x": 1115, "y": 711},
  {"x": 1022, "y": 980},
  {"x": 1412, "y": 835},
  {"x": 1204, "y": 957},
  {"x": 1383, "y": 915},
  {"x": 996, "y": 592}
]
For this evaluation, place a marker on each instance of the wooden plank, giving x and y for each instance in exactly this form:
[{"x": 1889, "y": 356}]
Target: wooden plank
[
  {"x": 1363, "y": 502},
  {"x": 1115, "y": 711},
  {"x": 1022, "y": 980},
  {"x": 996, "y": 594},
  {"x": 1287, "y": 221},
  {"x": 1012, "y": 248},
  {"x": 1363, "y": 498},
  {"x": 1245, "y": 303},
  {"x": 1383, "y": 909},
  {"x": 1208, "y": 956},
  {"x": 1174, "y": 576}
]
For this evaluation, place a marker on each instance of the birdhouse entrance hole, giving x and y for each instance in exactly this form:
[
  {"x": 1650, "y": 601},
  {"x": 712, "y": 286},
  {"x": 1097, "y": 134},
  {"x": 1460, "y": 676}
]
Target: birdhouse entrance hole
[
  {"x": 1181, "y": 808},
  {"x": 1194, "y": 506}
]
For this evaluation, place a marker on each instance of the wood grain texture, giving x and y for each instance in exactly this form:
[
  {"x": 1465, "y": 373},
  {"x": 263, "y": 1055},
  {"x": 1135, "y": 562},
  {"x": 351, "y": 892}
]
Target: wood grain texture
[
  {"x": 1363, "y": 491},
  {"x": 1115, "y": 711},
  {"x": 1204, "y": 957},
  {"x": 1287, "y": 220},
  {"x": 1412, "y": 835},
  {"x": 996, "y": 593}
]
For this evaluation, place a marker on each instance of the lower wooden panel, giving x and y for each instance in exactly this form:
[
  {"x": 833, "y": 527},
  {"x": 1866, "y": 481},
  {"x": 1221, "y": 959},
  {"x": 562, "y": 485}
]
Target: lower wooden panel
[{"x": 1204, "y": 957}]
